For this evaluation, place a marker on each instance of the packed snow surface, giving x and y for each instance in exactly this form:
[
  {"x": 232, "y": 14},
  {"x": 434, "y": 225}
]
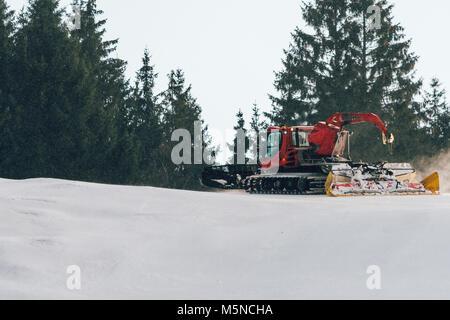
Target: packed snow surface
[{"x": 148, "y": 243}]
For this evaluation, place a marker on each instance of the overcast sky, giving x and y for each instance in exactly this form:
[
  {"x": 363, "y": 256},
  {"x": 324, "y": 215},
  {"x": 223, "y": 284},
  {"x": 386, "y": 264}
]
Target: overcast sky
[{"x": 230, "y": 49}]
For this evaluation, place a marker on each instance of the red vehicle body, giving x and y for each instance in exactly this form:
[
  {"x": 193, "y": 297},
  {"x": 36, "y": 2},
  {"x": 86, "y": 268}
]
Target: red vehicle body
[
  {"x": 302, "y": 157},
  {"x": 303, "y": 145},
  {"x": 312, "y": 160}
]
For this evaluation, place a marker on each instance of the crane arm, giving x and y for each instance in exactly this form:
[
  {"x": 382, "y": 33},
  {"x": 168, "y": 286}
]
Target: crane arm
[
  {"x": 325, "y": 134},
  {"x": 342, "y": 119}
]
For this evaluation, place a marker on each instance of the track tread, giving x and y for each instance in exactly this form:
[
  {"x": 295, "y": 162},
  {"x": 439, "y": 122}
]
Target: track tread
[{"x": 285, "y": 185}]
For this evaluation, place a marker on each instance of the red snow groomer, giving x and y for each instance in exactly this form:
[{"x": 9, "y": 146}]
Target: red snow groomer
[{"x": 316, "y": 159}]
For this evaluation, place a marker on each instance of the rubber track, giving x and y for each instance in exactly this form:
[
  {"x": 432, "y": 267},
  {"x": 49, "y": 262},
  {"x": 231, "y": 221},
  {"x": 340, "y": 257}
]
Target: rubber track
[{"x": 285, "y": 185}]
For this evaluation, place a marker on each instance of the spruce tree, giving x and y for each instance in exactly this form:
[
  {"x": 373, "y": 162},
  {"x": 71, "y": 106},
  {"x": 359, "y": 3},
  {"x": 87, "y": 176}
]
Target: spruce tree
[
  {"x": 436, "y": 118},
  {"x": 8, "y": 108},
  {"x": 54, "y": 93},
  {"x": 240, "y": 129},
  {"x": 180, "y": 111},
  {"x": 295, "y": 83},
  {"x": 386, "y": 83},
  {"x": 257, "y": 126},
  {"x": 115, "y": 143},
  {"x": 257, "y": 123},
  {"x": 146, "y": 119},
  {"x": 340, "y": 63},
  {"x": 315, "y": 81}
]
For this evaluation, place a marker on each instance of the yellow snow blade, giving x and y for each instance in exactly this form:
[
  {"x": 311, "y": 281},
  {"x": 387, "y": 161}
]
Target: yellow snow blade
[
  {"x": 431, "y": 183},
  {"x": 331, "y": 179},
  {"x": 328, "y": 184}
]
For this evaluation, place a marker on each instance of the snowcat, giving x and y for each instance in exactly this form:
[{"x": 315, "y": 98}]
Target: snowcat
[{"x": 316, "y": 160}]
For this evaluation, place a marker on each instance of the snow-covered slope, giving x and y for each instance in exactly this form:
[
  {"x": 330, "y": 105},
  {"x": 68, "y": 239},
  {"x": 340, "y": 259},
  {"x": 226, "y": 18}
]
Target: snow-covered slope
[{"x": 135, "y": 242}]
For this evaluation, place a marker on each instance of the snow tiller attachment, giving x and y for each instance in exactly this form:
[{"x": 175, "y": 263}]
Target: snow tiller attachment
[{"x": 382, "y": 179}]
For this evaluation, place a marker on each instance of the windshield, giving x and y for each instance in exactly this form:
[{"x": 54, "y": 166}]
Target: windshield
[{"x": 274, "y": 143}]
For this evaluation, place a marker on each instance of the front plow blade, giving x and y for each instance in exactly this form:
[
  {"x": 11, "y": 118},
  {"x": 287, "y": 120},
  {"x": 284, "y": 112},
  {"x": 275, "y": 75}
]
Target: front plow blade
[
  {"x": 344, "y": 186},
  {"x": 431, "y": 183}
]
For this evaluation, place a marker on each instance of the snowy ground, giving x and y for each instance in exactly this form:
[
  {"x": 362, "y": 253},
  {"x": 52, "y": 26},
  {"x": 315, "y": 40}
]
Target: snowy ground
[{"x": 148, "y": 243}]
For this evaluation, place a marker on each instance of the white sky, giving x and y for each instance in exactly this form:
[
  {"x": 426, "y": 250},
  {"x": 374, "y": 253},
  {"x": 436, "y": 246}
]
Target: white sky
[{"x": 230, "y": 49}]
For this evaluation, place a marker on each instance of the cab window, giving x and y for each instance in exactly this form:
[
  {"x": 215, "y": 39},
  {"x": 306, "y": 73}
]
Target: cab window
[
  {"x": 300, "y": 139},
  {"x": 274, "y": 142}
]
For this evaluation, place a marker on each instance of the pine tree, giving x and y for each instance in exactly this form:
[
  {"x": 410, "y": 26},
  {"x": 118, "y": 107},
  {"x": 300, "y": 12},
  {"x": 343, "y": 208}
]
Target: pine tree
[
  {"x": 436, "y": 118},
  {"x": 115, "y": 143},
  {"x": 180, "y": 111},
  {"x": 97, "y": 50},
  {"x": 146, "y": 119},
  {"x": 295, "y": 83},
  {"x": 257, "y": 126},
  {"x": 342, "y": 64},
  {"x": 237, "y": 157},
  {"x": 387, "y": 83},
  {"x": 315, "y": 82},
  {"x": 6, "y": 50},
  {"x": 8, "y": 110},
  {"x": 54, "y": 91},
  {"x": 123, "y": 161},
  {"x": 68, "y": 110}
]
